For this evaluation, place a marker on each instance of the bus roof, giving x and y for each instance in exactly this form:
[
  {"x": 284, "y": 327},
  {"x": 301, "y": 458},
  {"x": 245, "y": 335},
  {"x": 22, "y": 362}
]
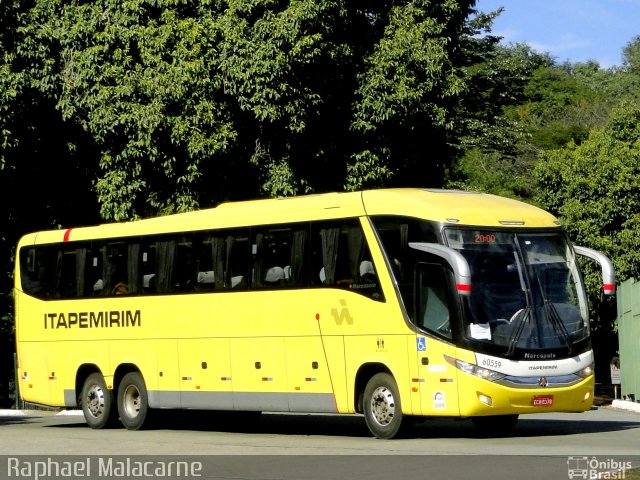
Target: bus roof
[{"x": 446, "y": 206}]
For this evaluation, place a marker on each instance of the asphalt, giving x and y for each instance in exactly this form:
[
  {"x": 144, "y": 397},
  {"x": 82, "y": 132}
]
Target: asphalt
[{"x": 615, "y": 404}]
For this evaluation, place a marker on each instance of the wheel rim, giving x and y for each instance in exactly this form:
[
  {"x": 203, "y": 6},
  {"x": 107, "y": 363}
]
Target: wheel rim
[
  {"x": 96, "y": 401},
  {"x": 131, "y": 401},
  {"x": 383, "y": 406}
]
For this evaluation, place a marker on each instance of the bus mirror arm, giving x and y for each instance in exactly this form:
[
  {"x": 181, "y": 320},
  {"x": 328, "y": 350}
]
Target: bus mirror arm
[
  {"x": 458, "y": 263},
  {"x": 608, "y": 270}
]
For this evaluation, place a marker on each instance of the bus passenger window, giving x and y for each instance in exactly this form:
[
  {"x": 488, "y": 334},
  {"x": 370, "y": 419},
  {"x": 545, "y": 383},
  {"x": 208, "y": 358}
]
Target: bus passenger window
[
  {"x": 70, "y": 272},
  {"x": 272, "y": 256},
  {"x": 342, "y": 256},
  {"x": 36, "y": 269},
  {"x": 222, "y": 259}
]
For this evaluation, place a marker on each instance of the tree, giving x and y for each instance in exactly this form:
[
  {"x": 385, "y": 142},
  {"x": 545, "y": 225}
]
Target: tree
[
  {"x": 494, "y": 153},
  {"x": 191, "y": 103},
  {"x": 631, "y": 56},
  {"x": 594, "y": 188}
]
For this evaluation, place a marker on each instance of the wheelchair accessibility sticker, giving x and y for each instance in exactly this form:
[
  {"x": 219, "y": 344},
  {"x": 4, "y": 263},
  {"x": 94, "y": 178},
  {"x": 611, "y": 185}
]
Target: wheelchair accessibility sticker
[{"x": 421, "y": 344}]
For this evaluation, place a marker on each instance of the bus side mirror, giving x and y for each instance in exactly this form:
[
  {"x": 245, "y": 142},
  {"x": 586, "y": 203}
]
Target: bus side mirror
[
  {"x": 461, "y": 270},
  {"x": 608, "y": 270}
]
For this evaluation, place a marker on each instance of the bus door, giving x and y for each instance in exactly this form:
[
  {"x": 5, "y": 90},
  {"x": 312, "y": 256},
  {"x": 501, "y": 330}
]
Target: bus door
[{"x": 434, "y": 310}]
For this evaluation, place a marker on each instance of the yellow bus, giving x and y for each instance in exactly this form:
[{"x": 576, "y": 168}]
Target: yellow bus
[{"x": 390, "y": 303}]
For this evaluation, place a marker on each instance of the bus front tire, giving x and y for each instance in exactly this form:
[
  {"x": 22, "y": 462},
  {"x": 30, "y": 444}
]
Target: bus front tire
[
  {"x": 133, "y": 401},
  {"x": 382, "y": 408},
  {"x": 96, "y": 401}
]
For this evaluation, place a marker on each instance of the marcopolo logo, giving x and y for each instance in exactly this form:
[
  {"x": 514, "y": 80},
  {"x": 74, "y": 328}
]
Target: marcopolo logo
[{"x": 594, "y": 468}]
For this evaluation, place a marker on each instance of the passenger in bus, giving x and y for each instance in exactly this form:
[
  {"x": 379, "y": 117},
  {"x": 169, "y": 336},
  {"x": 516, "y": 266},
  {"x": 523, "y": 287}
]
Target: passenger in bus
[{"x": 120, "y": 288}]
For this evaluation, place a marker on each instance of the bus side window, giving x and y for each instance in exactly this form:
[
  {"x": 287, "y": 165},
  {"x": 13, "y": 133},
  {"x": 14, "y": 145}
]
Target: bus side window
[
  {"x": 222, "y": 263},
  {"x": 433, "y": 307},
  {"x": 148, "y": 266},
  {"x": 271, "y": 251},
  {"x": 280, "y": 255},
  {"x": 395, "y": 234},
  {"x": 71, "y": 272},
  {"x": 343, "y": 259},
  {"x": 185, "y": 276},
  {"x": 115, "y": 269},
  {"x": 36, "y": 271},
  {"x": 95, "y": 282}
]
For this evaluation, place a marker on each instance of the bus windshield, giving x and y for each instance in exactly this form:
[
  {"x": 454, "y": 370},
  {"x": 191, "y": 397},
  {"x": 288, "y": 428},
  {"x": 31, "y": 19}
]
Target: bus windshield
[{"x": 526, "y": 290}]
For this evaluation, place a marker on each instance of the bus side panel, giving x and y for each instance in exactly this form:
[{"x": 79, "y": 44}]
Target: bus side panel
[
  {"x": 48, "y": 369},
  {"x": 167, "y": 392},
  {"x": 438, "y": 381},
  {"x": 33, "y": 374},
  {"x": 205, "y": 373},
  {"x": 259, "y": 374},
  {"x": 309, "y": 377}
]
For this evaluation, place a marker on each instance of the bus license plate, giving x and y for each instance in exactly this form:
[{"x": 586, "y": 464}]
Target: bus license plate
[{"x": 542, "y": 400}]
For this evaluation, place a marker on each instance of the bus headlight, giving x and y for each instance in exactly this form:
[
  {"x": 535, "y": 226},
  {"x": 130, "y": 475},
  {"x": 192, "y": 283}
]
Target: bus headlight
[
  {"x": 470, "y": 368},
  {"x": 585, "y": 372}
]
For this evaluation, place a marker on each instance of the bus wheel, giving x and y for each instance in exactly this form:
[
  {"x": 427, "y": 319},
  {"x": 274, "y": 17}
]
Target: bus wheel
[
  {"x": 133, "y": 402},
  {"x": 382, "y": 409},
  {"x": 96, "y": 401},
  {"x": 496, "y": 425}
]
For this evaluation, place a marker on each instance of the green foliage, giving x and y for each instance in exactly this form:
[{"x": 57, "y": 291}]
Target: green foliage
[
  {"x": 495, "y": 155},
  {"x": 193, "y": 102},
  {"x": 594, "y": 188},
  {"x": 493, "y": 172},
  {"x": 631, "y": 56}
]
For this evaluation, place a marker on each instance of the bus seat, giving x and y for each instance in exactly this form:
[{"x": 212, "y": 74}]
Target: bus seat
[
  {"x": 274, "y": 276},
  {"x": 205, "y": 278},
  {"x": 149, "y": 282},
  {"x": 366, "y": 268},
  {"x": 98, "y": 286}
]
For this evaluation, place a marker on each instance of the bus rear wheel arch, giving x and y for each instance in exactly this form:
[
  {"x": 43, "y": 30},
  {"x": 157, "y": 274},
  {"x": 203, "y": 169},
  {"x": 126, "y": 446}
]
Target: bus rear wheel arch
[{"x": 133, "y": 401}]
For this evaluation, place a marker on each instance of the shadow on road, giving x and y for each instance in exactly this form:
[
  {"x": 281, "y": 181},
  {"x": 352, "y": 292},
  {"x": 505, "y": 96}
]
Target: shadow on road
[{"x": 348, "y": 425}]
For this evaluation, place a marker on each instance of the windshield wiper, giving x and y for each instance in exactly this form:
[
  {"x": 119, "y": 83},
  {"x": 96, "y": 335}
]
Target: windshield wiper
[
  {"x": 523, "y": 317},
  {"x": 553, "y": 315}
]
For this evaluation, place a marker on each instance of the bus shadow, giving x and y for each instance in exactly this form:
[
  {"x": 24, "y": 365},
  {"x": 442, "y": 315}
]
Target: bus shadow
[
  {"x": 526, "y": 427},
  {"x": 266, "y": 423},
  {"x": 353, "y": 425}
]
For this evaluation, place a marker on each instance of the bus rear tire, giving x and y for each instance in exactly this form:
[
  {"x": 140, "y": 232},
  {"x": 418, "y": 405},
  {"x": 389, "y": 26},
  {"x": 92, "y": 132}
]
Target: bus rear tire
[
  {"x": 96, "y": 401},
  {"x": 133, "y": 401},
  {"x": 382, "y": 407}
]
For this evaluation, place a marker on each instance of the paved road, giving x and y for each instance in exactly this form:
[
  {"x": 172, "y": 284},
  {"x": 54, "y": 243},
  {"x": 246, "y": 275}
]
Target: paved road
[{"x": 325, "y": 446}]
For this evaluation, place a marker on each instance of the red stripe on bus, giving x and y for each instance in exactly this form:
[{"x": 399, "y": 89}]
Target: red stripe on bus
[{"x": 66, "y": 234}]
